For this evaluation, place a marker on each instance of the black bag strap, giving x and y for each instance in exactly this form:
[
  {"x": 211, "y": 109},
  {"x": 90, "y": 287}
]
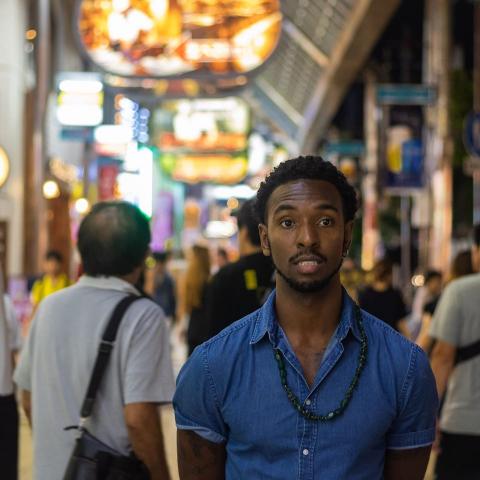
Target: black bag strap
[
  {"x": 468, "y": 352},
  {"x": 104, "y": 351}
]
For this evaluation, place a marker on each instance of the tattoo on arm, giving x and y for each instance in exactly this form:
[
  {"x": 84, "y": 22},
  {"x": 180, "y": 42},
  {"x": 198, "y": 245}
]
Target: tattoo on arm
[{"x": 199, "y": 459}]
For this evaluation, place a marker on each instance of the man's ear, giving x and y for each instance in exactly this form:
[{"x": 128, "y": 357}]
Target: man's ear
[{"x": 264, "y": 243}]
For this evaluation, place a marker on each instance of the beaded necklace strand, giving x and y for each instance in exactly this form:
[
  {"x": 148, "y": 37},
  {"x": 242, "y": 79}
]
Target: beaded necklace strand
[{"x": 362, "y": 358}]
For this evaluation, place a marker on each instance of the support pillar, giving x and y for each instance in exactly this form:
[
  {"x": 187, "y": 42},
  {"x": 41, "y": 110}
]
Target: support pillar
[{"x": 437, "y": 40}]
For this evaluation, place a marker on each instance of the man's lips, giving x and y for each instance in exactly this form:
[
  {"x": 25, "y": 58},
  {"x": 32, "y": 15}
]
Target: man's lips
[
  {"x": 308, "y": 259},
  {"x": 308, "y": 264}
]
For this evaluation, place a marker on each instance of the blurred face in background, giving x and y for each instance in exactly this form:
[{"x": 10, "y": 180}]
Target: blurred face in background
[
  {"x": 434, "y": 286},
  {"x": 52, "y": 267}
]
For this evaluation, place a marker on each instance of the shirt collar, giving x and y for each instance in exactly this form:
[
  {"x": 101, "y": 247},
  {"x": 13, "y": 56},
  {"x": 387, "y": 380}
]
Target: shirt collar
[
  {"x": 267, "y": 320},
  {"x": 107, "y": 283}
]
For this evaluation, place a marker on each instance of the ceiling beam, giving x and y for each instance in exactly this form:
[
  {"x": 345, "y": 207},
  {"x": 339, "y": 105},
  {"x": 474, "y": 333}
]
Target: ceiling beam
[
  {"x": 362, "y": 30},
  {"x": 305, "y": 43}
]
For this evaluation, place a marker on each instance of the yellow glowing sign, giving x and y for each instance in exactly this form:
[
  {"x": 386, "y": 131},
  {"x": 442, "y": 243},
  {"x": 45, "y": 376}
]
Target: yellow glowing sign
[
  {"x": 218, "y": 168},
  {"x": 162, "y": 38}
]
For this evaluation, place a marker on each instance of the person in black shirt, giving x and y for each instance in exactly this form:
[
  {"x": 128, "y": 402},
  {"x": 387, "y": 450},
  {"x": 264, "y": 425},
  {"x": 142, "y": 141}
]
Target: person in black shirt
[
  {"x": 241, "y": 287},
  {"x": 383, "y": 301}
]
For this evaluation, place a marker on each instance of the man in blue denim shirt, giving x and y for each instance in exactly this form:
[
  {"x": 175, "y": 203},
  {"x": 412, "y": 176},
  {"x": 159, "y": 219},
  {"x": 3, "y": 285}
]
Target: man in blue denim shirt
[{"x": 308, "y": 387}]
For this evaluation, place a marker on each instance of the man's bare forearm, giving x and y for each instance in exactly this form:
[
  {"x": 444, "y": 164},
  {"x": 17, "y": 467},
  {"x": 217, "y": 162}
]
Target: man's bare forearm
[
  {"x": 199, "y": 459},
  {"x": 443, "y": 359},
  {"x": 145, "y": 433},
  {"x": 408, "y": 464}
]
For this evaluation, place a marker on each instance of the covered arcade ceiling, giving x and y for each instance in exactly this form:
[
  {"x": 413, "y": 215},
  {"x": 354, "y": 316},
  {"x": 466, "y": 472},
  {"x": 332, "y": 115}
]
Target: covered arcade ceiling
[{"x": 321, "y": 49}]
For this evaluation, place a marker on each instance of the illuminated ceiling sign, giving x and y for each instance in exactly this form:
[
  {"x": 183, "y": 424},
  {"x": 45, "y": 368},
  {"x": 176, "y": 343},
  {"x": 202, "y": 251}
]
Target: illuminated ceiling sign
[
  {"x": 164, "y": 38},
  {"x": 224, "y": 169},
  {"x": 79, "y": 99},
  {"x": 203, "y": 140},
  {"x": 202, "y": 125}
]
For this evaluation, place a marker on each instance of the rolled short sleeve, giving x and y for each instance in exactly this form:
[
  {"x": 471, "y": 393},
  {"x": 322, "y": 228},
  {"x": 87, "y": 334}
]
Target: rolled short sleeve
[
  {"x": 148, "y": 370},
  {"x": 414, "y": 426},
  {"x": 196, "y": 401},
  {"x": 446, "y": 320}
]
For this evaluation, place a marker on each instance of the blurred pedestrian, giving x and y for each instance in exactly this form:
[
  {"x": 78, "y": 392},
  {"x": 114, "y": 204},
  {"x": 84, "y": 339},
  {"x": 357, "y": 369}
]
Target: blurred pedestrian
[
  {"x": 461, "y": 266},
  {"x": 52, "y": 280},
  {"x": 222, "y": 258},
  {"x": 56, "y": 364},
  {"x": 162, "y": 287},
  {"x": 197, "y": 277},
  {"x": 240, "y": 287},
  {"x": 309, "y": 386},
  {"x": 10, "y": 343},
  {"x": 456, "y": 365},
  {"x": 428, "y": 292},
  {"x": 384, "y": 301}
]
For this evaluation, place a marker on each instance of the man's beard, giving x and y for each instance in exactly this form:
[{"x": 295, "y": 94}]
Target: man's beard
[{"x": 308, "y": 287}]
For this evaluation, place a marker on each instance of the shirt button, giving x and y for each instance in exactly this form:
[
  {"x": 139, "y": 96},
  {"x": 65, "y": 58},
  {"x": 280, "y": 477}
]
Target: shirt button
[
  {"x": 308, "y": 402},
  {"x": 305, "y": 451}
]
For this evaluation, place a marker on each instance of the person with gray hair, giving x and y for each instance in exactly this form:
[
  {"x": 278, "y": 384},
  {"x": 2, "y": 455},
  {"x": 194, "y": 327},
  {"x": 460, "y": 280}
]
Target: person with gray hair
[{"x": 57, "y": 362}]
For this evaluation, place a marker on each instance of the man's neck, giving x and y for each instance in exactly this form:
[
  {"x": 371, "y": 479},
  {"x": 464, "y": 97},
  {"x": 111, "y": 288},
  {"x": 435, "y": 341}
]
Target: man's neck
[
  {"x": 309, "y": 316},
  {"x": 132, "y": 277}
]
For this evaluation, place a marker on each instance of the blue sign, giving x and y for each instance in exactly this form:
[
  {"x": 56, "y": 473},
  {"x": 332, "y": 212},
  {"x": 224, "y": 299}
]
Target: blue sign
[
  {"x": 350, "y": 148},
  {"x": 406, "y": 94},
  {"x": 408, "y": 174},
  {"x": 472, "y": 134},
  {"x": 78, "y": 134}
]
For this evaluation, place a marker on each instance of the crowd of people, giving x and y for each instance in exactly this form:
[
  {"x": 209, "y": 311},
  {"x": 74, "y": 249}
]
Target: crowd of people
[{"x": 300, "y": 365}]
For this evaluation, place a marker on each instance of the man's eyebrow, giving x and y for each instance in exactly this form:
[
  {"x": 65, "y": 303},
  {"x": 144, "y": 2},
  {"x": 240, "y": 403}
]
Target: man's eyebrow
[{"x": 288, "y": 207}]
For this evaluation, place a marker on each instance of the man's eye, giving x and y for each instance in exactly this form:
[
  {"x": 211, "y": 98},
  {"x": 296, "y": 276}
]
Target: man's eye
[
  {"x": 326, "y": 222},
  {"x": 286, "y": 223}
]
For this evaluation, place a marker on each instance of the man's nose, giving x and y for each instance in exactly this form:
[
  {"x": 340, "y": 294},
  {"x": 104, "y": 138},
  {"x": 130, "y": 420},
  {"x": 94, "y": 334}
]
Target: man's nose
[{"x": 307, "y": 235}]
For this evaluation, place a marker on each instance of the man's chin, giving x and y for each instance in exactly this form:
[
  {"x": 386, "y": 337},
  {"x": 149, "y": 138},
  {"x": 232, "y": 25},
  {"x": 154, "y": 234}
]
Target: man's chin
[
  {"x": 308, "y": 287},
  {"x": 312, "y": 286}
]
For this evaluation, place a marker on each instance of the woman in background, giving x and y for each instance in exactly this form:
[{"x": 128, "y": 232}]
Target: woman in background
[{"x": 196, "y": 280}]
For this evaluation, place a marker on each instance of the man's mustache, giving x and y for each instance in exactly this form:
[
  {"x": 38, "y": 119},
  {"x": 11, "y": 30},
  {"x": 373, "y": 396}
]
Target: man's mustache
[{"x": 308, "y": 253}]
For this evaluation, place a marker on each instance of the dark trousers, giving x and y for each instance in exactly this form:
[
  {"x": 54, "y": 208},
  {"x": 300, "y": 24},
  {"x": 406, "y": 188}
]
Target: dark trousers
[
  {"x": 459, "y": 457},
  {"x": 8, "y": 438}
]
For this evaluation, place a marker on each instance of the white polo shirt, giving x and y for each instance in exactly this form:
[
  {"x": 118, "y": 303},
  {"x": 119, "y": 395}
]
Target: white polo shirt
[
  {"x": 57, "y": 363},
  {"x": 10, "y": 341}
]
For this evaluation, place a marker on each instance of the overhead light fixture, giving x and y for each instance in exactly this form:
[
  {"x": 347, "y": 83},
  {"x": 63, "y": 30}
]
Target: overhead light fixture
[
  {"x": 4, "y": 166},
  {"x": 220, "y": 229},
  {"x": 51, "y": 189},
  {"x": 82, "y": 206}
]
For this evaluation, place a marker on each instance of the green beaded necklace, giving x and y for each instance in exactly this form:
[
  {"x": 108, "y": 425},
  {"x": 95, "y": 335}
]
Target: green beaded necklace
[{"x": 362, "y": 358}]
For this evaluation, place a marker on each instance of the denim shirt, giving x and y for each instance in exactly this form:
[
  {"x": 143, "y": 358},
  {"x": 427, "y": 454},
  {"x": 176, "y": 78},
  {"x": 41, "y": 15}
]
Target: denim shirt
[{"x": 230, "y": 391}]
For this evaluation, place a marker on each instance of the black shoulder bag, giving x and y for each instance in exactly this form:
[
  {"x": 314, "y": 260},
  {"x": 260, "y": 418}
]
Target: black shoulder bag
[
  {"x": 468, "y": 352},
  {"x": 91, "y": 459}
]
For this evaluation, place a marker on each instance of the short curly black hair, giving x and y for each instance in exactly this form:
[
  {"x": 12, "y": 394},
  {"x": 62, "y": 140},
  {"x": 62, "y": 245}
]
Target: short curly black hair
[{"x": 306, "y": 168}]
